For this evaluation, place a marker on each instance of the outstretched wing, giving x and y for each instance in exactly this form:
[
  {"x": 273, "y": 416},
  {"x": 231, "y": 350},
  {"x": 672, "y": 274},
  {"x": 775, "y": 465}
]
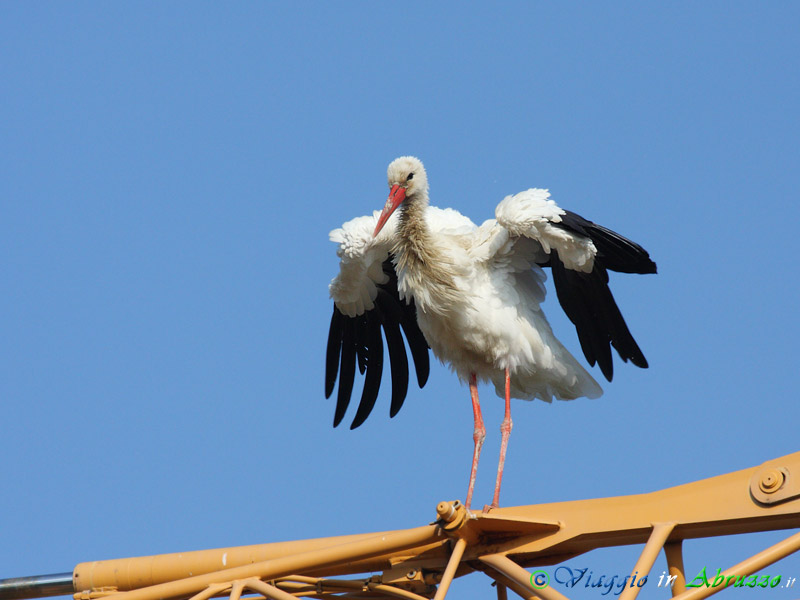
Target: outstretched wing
[
  {"x": 366, "y": 300},
  {"x": 579, "y": 254}
]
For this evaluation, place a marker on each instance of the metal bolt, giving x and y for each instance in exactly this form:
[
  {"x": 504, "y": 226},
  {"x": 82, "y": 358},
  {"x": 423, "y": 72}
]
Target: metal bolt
[
  {"x": 771, "y": 481},
  {"x": 411, "y": 574},
  {"x": 446, "y": 511}
]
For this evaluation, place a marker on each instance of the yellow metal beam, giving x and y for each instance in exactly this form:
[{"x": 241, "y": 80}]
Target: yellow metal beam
[
  {"x": 674, "y": 554},
  {"x": 653, "y": 546},
  {"x": 745, "y": 568},
  {"x": 318, "y": 558},
  {"x": 501, "y": 542}
]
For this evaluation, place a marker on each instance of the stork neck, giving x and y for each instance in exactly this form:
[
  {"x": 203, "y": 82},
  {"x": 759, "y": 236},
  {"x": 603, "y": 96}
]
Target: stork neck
[
  {"x": 413, "y": 228},
  {"x": 422, "y": 263}
]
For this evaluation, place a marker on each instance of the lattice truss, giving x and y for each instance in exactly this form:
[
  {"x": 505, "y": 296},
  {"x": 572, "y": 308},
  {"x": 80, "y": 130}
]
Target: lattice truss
[{"x": 420, "y": 563}]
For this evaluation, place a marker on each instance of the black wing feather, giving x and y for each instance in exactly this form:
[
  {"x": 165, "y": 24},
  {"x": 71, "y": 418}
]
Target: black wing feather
[
  {"x": 333, "y": 351},
  {"x": 580, "y": 297},
  {"x": 358, "y": 339},
  {"x": 391, "y": 314},
  {"x": 587, "y": 299},
  {"x": 417, "y": 344},
  {"x": 373, "y": 352},
  {"x": 361, "y": 330},
  {"x": 416, "y": 340},
  {"x": 615, "y": 252},
  {"x": 347, "y": 370}
]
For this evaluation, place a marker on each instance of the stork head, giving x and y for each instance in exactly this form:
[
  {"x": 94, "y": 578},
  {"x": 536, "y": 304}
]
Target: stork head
[{"x": 407, "y": 183}]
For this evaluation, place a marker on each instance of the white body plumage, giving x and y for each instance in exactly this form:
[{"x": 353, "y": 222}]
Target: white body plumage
[{"x": 488, "y": 317}]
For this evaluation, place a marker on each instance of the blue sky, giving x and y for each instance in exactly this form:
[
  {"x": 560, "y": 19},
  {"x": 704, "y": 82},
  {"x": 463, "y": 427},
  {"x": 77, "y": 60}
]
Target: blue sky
[{"x": 170, "y": 173}]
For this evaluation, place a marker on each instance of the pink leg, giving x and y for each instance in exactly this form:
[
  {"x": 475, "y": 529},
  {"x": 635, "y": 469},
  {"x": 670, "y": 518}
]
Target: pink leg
[
  {"x": 478, "y": 435},
  {"x": 505, "y": 431}
]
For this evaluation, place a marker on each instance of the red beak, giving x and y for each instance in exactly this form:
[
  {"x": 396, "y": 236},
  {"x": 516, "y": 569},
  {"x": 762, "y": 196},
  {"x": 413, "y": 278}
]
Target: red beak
[{"x": 396, "y": 197}]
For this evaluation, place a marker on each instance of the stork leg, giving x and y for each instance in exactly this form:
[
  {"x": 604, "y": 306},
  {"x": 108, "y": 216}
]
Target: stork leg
[
  {"x": 505, "y": 432},
  {"x": 478, "y": 435}
]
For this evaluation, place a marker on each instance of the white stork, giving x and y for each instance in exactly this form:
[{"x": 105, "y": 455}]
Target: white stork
[{"x": 473, "y": 294}]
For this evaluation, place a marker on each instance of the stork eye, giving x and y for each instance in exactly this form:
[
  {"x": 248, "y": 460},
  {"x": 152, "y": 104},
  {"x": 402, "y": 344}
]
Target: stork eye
[{"x": 410, "y": 177}]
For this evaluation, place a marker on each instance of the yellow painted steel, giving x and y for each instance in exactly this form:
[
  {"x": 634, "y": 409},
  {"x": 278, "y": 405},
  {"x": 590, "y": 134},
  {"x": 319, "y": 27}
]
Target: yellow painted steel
[
  {"x": 520, "y": 576},
  {"x": 280, "y": 566},
  {"x": 747, "y": 567},
  {"x": 653, "y": 546},
  {"x": 450, "y": 569},
  {"x": 674, "y": 554},
  {"x": 501, "y": 542}
]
